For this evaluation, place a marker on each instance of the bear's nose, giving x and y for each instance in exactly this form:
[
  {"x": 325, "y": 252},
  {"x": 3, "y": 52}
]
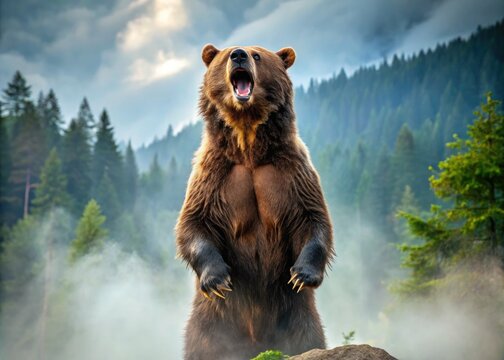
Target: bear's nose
[{"x": 238, "y": 56}]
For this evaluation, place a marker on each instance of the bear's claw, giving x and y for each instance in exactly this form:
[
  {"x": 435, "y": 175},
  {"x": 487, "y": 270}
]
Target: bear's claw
[
  {"x": 212, "y": 287},
  {"x": 292, "y": 278},
  {"x": 296, "y": 282},
  {"x": 218, "y": 294},
  {"x": 304, "y": 276},
  {"x": 205, "y": 294}
]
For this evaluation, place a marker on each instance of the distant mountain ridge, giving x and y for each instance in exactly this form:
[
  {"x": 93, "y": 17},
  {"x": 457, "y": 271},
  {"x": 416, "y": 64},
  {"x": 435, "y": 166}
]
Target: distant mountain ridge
[
  {"x": 435, "y": 90},
  {"x": 440, "y": 87},
  {"x": 180, "y": 146}
]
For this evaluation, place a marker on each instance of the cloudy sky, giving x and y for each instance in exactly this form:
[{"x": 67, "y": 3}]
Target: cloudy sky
[{"x": 141, "y": 58}]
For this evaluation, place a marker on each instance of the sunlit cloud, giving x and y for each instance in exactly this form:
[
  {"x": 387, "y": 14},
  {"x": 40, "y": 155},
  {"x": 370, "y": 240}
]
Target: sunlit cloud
[
  {"x": 144, "y": 72},
  {"x": 94, "y": 48},
  {"x": 163, "y": 16}
]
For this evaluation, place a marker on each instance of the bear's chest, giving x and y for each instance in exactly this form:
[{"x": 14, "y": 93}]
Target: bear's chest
[{"x": 259, "y": 196}]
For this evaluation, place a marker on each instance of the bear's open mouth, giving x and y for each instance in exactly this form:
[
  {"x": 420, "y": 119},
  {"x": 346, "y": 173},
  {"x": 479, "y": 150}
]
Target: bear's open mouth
[{"x": 243, "y": 83}]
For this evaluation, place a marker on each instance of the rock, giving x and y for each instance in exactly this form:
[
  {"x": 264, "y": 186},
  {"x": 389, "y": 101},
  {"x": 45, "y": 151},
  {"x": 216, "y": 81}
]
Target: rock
[{"x": 347, "y": 352}]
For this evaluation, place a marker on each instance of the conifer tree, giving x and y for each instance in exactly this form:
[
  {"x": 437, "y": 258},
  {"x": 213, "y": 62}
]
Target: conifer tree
[
  {"x": 169, "y": 132},
  {"x": 76, "y": 163},
  {"x": 20, "y": 257},
  {"x": 5, "y": 166},
  {"x": 28, "y": 153},
  {"x": 404, "y": 162},
  {"x": 154, "y": 179},
  {"x": 472, "y": 224},
  {"x": 106, "y": 156},
  {"x": 377, "y": 205},
  {"x": 40, "y": 104},
  {"x": 51, "y": 192},
  {"x": 50, "y": 118},
  {"x": 107, "y": 196},
  {"x": 16, "y": 95},
  {"x": 130, "y": 177},
  {"x": 408, "y": 204},
  {"x": 173, "y": 167},
  {"x": 172, "y": 198},
  {"x": 85, "y": 116},
  {"x": 90, "y": 233}
]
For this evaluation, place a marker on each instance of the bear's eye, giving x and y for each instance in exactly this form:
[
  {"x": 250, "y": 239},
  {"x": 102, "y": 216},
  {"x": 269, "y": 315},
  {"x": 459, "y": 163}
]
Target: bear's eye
[{"x": 256, "y": 57}]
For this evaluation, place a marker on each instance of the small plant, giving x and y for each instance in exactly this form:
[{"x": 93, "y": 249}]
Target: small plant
[
  {"x": 270, "y": 355},
  {"x": 348, "y": 338}
]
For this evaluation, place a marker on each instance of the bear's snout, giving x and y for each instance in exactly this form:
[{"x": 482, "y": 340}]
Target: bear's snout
[{"x": 238, "y": 56}]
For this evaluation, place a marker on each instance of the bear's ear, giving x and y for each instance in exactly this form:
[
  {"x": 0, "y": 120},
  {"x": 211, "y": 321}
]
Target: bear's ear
[
  {"x": 288, "y": 55},
  {"x": 208, "y": 53}
]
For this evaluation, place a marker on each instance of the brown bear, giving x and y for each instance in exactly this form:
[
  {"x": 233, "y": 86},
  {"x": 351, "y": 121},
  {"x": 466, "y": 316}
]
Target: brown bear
[{"x": 254, "y": 225}]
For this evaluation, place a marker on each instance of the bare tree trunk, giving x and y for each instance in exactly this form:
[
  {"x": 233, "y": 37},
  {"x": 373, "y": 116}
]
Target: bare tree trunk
[
  {"x": 45, "y": 301},
  {"x": 27, "y": 193}
]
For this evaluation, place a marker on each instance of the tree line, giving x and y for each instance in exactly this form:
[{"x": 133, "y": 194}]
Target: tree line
[
  {"x": 373, "y": 135},
  {"x": 46, "y": 166}
]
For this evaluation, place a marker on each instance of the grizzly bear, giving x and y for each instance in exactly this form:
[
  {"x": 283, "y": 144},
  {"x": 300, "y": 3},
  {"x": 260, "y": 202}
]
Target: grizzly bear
[{"x": 254, "y": 225}]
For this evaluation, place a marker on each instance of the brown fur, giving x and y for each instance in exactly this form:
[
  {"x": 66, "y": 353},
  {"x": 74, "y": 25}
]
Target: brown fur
[{"x": 254, "y": 214}]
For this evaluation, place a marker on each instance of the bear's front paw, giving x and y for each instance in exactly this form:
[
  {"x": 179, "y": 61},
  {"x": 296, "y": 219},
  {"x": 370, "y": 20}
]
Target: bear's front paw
[
  {"x": 214, "y": 281},
  {"x": 305, "y": 275}
]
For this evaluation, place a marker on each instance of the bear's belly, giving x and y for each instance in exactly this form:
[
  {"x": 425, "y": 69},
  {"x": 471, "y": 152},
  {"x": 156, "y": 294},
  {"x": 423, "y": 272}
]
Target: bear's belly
[{"x": 257, "y": 199}]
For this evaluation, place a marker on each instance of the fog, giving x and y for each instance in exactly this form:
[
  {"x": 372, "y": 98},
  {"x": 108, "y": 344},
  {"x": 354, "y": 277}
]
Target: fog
[
  {"x": 108, "y": 305},
  {"x": 115, "y": 305},
  {"x": 462, "y": 321}
]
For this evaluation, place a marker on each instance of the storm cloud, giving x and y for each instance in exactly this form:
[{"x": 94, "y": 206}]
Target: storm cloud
[{"x": 141, "y": 59}]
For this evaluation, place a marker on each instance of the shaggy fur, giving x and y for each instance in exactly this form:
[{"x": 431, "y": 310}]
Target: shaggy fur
[{"x": 253, "y": 216}]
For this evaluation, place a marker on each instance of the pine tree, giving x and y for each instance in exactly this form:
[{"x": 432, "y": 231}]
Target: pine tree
[
  {"x": 473, "y": 178},
  {"x": 5, "y": 167},
  {"x": 16, "y": 95},
  {"x": 172, "y": 198},
  {"x": 377, "y": 205},
  {"x": 172, "y": 168},
  {"x": 107, "y": 196},
  {"x": 40, "y": 104},
  {"x": 76, "y": 163},
  {"x": 106, "y": 156},
  {"x": 85, "y": 116},
  {"x": 408, "y": 204},
  {"x": 404, "y": 162},
  {"x": 130, "y": 177},
  {"x": 21, "y": 256},
  {"x": 169, "y": 132},
  {"x": 50, "y": 117},
  {"x": 28, "y": 153},
  {"x": 472, "y": 224},
  {"x": 153, "y": 181},
  {"x": 327, "y": 161},
  {"x": 89, "y": 234},
  {"x": 51, "y": 192}
]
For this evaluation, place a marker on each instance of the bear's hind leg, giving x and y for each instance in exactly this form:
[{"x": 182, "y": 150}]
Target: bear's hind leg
[
  {"x": 211, "y": 340},
  {"x": 301, "y": 332}
]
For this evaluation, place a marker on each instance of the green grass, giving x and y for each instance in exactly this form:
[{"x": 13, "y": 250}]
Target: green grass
[{"x": 271, "y": 355}]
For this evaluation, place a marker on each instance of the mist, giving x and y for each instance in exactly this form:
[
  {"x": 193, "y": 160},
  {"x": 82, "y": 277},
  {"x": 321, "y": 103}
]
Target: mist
[
  {"x": 110, "y": 304},
  {"x": 455, "y": 323},
  {"x": 116, "y": 305}
]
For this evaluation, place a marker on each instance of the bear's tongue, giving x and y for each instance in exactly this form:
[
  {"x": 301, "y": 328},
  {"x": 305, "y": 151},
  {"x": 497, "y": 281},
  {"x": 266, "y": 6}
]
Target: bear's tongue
[{"x": 243, "y": 87}]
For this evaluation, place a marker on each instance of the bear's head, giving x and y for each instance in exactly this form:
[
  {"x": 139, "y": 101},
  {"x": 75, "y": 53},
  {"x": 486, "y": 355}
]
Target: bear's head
[{"x": 246, "y": 84}]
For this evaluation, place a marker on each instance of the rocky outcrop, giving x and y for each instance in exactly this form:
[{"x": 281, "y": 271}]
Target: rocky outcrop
[{"x": 347, "y": 352}]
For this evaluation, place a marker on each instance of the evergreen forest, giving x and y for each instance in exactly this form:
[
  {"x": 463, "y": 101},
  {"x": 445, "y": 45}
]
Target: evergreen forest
[{"x": 410, "y": 153}]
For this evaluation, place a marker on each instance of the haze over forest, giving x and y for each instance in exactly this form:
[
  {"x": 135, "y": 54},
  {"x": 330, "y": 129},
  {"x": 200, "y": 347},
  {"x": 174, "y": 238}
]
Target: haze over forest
[{"x": 88, "y": 266}]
